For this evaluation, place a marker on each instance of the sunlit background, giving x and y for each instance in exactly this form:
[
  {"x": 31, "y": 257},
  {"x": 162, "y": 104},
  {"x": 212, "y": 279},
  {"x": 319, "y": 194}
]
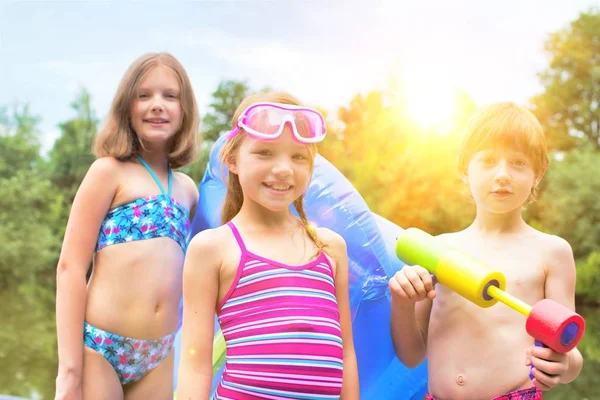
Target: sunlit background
[
  {"x": 396, "y": 79},
  {"x": 323, "y": 51}
]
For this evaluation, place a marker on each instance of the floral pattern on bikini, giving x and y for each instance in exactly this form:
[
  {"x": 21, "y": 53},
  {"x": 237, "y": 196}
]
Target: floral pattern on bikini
[
  {"x": 130, "y": 358},
  {"x": 145, "y": 218}
]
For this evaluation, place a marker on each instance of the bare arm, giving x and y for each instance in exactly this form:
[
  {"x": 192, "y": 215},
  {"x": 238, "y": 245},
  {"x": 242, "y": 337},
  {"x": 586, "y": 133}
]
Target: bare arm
[
  {"x": 560, "y": 287},
  {"x": 337, "y": 250},
  {"x": 192, "y": 190},
  {"x": 200, "y": 293},
  {"x": 409, "y": 325},
  {"x": 92, "y": 201},
  {"x": 412, "y": 293}
]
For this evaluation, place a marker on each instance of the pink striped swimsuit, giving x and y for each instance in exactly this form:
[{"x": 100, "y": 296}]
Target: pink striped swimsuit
[{"x": 281, "y": 326}]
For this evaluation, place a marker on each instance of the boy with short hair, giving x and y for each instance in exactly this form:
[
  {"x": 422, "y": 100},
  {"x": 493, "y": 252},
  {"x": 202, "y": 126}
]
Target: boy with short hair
[{"x": 485, "y": 353}]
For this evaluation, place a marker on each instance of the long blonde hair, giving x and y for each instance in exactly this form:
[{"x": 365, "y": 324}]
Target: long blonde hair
[
  {"x": 117, "y": 137},
  {"x": 234, "y": 197}
]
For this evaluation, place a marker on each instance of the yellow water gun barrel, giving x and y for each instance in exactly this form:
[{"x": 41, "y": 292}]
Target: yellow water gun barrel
[{"x": 459, "y": 272}]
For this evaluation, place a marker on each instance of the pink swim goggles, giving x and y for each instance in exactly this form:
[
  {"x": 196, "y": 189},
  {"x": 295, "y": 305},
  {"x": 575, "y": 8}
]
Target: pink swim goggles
[{"x": 266, "y": 121}]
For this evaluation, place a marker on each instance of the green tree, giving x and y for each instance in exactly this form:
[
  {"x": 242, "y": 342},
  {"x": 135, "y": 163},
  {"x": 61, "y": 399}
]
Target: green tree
[
  {"x": 30, "y": 209},
  {"x": 225, "y": 100},
  {"x": 19, "y": 140},
  {"x": 588, "y": 278},
  {"x": 71, "y": 155},
  {"x": 28, "y": 205},
  {"x": 569, "y": 206},
  {"x": 196, "y": 169},
  {"x": 568, "y": 107}
]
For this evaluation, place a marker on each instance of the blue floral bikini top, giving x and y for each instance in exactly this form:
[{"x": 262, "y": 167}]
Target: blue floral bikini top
[{"x": 146, "y": 218}]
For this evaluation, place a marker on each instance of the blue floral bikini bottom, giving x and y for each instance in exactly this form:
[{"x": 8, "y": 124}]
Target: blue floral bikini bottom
[{"x": 130, "y": 358}]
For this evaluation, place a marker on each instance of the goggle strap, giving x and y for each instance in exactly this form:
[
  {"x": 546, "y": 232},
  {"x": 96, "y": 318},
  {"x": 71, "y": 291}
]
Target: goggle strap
[{"x": 232, "y": 133}]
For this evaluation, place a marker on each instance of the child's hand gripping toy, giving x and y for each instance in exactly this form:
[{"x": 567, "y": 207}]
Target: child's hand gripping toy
[{"x": 551, "y": 324}]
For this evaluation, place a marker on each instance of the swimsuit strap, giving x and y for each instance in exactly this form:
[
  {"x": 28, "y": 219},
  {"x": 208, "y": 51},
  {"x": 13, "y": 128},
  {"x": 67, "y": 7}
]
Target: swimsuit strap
[
  {"x": 238, "y": 237},
  {"x": 160, "y": 186}
]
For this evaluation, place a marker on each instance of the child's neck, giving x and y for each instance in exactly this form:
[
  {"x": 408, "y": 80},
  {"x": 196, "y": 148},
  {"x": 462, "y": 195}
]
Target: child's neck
[
  {"x": 486, "y": 222},
  {"x": 256, "y": 215},
  {"x": 156, "y": 159}
]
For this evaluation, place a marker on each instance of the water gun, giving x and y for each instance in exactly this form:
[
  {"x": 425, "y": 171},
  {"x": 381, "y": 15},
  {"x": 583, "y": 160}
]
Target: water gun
[{"x": 551, "y": 324}]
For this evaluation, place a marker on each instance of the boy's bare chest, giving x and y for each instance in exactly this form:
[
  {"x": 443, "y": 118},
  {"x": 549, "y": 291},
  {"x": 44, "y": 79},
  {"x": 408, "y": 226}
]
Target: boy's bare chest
[
  {"x": 516, "y": 263},
  {"x": 522, "y": 265}
]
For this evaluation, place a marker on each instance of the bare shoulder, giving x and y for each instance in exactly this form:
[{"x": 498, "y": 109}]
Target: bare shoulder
[
  {"x": 557, "y": 251},
  {"x": 556, "y": 245},
  {"x": 105, "y": 167},
  {"x": 103, "y": 173},
  {"x": 191, "y": 191},
  {"x": 330, "y": 237},
  {"x": 208, "y": 242},
  {"x": 205, "y": 252},
  {"x": 188, "y": 183},
  {"x": 455, "y": 239},
  {"x": 335, "y": 243}
]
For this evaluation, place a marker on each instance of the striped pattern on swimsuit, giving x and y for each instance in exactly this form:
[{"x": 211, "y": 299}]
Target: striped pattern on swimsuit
[{"x": 281, "y": 326}]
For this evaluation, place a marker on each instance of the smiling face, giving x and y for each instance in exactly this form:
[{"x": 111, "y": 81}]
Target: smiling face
[
  {"x": 156, "y": 112},
  {"x": 273, "y": 174}
]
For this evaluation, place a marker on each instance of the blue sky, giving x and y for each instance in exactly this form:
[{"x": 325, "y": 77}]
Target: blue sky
[{"x": 323, "y": 51}]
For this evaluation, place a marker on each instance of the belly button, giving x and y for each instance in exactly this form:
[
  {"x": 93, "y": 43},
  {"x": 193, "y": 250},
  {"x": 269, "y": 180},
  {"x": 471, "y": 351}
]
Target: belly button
[{"x": 460, "y": 379}]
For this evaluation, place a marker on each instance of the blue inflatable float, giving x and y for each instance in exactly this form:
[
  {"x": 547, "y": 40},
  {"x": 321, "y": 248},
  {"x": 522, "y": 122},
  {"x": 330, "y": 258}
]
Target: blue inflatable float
[{"x": 331, "y": 201}]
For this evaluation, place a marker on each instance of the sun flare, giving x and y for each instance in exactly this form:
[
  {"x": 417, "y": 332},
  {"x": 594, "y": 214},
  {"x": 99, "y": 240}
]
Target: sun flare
[{"x": 429, "y": 99}]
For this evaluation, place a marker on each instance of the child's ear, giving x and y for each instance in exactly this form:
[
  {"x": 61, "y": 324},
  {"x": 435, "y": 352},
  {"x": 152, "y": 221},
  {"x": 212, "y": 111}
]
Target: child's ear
[
  {"x": 231, "y": 164},
  {"x": 539, "y": 176}
]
